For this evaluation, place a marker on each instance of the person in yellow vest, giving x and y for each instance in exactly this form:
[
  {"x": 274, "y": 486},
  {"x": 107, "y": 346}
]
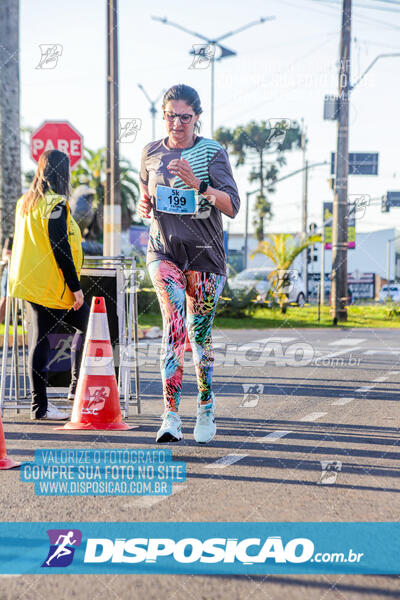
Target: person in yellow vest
[{"x": 44, "y": 270}]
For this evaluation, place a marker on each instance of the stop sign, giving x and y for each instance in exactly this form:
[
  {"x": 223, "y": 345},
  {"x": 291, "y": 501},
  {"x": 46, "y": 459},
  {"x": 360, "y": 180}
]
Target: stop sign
[{"x": 57, "y": 135}]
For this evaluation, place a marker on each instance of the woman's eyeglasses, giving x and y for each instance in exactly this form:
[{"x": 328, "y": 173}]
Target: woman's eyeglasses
[{"x": 185, "y": 118}]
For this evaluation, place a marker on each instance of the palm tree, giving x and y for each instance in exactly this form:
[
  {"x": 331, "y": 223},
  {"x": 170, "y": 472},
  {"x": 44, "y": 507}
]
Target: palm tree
[
  {"x": 10, "y": 153},
  {"x": 92, "y": 171},
  {"x": 282, "y": 249}
]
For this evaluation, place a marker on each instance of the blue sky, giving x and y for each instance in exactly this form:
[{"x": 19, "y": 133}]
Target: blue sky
[{"x": 283, "y": 70}]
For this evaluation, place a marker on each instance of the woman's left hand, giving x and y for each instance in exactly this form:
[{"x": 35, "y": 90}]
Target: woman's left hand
[{"x": 182, "y": 169}]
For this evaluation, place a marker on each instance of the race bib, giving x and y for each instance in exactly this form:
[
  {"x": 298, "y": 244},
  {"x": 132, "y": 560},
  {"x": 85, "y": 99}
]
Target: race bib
[{"x": 175, "y": 201}]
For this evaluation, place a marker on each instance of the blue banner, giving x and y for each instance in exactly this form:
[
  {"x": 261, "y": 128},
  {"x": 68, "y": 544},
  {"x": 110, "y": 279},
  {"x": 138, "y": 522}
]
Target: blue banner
[{"x": 200, "y": 548}]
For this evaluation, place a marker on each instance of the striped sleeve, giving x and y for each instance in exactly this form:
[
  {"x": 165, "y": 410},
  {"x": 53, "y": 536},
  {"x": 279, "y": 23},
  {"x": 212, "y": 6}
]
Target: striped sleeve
[{"x": 221, "y": 176}]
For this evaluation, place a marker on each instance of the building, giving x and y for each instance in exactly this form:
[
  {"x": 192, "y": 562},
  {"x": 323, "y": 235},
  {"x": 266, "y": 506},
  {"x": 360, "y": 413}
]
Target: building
[{"x": 375, "y": 252}]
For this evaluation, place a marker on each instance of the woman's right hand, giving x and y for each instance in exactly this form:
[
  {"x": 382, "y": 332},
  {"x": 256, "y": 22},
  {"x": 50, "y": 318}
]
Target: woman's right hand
[
  {"x": 79, "y": 300},
  {"x": 144, "y": 207}
]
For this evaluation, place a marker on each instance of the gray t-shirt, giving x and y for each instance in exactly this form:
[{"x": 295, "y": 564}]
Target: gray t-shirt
[{"x": 193, "y": 242}]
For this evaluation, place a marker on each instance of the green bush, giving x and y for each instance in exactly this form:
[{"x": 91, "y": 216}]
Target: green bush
[
  {"x": 392, "y": 311},
  {"x": 236, "y": 303}
]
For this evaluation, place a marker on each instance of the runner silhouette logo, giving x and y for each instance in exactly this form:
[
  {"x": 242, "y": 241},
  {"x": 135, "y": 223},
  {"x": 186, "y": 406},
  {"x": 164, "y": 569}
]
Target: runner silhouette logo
[
  {"x": 62, "y": 547},
  {"x": 97, "y": 398}
]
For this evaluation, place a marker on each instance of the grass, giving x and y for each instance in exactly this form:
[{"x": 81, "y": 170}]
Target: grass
[{"x": 373, "y": 316}]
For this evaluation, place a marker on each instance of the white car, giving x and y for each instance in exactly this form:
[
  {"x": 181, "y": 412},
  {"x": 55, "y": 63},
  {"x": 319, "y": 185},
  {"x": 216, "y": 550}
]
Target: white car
[
  {"x": 258, "y": 279},
  {"x": 392, "y": 290}
]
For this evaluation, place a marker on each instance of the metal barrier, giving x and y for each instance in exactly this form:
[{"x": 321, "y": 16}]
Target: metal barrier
[{"x": 14, "y": 363}]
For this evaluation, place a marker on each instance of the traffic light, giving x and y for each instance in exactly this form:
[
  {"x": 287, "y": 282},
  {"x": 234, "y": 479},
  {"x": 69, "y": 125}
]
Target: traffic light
[
  {"x": 385, "y": 206},
  {"x": 312, "y": 254}
]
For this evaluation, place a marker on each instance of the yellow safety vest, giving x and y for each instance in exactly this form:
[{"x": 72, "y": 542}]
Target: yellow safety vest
[{"x": 34, "y": 274}]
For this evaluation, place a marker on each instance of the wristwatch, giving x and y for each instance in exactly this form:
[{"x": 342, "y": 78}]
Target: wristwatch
[{"x": 203, "y": 187}]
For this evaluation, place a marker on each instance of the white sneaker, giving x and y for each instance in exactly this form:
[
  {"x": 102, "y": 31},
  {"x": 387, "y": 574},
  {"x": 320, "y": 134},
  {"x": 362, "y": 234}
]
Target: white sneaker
[
  {"x": 171, "y": 429},
  {"x": 54, "y": 414},
  {"x": 205, "y": 428}
]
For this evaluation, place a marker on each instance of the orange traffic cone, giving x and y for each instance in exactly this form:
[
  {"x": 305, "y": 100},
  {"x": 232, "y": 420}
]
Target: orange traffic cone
[
  {"x": 188, "y": 347},
  {"x": 96, "y": 404},
  {"x": 5, "y": 462}
]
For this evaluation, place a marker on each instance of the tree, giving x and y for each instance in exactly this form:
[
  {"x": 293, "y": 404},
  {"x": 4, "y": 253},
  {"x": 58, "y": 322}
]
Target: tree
[
  {"x": 255, "y": 141},
  {"x": 282, "y": 249},
  {"x": 10, "y": 154},
  {"x": 92, "y": 171}
]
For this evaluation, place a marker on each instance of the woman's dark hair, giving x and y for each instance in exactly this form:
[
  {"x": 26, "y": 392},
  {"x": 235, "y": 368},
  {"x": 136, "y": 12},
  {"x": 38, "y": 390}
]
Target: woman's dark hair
[
  {"x": 186, "y": 93},
  {"x": 52, "y": 174}
]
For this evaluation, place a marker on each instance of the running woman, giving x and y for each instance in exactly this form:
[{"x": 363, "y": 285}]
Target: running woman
[{"x": 187, "y": 181}]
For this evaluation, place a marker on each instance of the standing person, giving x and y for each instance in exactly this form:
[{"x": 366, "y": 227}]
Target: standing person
[
  {"x": 45, "y": 266},
  {"x": 186, "y": 255}
]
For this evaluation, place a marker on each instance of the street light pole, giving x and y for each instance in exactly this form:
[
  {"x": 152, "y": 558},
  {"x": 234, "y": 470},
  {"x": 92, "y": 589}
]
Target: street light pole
[
  {"x": 112, "y": 196},
  {"x": 339, "y": 229},
  {"x": 153, "y": 110},
  {"x": 212, "y": 94},
  {"x": 246, "y": 233},
  {"x": 225, "y": 52}
]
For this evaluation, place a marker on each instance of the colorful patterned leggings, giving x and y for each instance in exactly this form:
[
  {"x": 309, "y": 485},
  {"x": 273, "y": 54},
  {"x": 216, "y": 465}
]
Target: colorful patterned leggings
[{"x": 202, "y": 292}]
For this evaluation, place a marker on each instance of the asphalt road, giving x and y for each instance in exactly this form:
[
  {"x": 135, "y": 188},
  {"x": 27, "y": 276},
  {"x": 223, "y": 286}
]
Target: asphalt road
[{"x": 289, "y": 403}]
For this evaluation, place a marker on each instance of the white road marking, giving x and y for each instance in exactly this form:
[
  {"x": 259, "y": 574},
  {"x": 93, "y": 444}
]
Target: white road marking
[
  {"x": 340, "y": 352},
  {"x": 277, "y": 339},
  {"x": 380, "y": 379},
  {"x": 313, "y": 416},
  {"x": 148, "y": 501},
  {"x": 394, "y": 372},
  {"x": 365, "y": 388},
  {"x": 347, "y": 342},
  {"x": 225, "y": 461},
  {"x": 341, "y": 401},
  {"x": 371, "y": 352},
  {"x": 275, "y": 435}
]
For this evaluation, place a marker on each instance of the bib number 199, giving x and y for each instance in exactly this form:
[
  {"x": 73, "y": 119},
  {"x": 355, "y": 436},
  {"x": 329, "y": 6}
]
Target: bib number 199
[{"x": 176, "y": 200}]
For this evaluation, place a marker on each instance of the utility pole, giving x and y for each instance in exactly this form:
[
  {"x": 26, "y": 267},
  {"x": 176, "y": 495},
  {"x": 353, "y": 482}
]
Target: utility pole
[
  {"x": 112, "y": 197},
  {"x": 304, "y": 216},
  {"x": 339, "y": 229}
]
